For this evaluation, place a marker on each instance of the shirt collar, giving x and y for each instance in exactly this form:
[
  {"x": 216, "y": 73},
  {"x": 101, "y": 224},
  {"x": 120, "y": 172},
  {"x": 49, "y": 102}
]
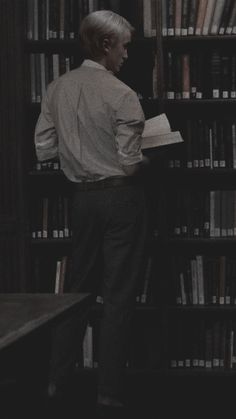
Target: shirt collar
[{"x": 94, "y": 64}]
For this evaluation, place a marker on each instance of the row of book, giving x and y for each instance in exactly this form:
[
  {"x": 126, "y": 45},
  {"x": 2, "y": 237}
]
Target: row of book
[
  {"x": 143, "y": 345},
  {"x": 199, "y": 343},
  {"x": 200, "y": 75},
  {"x": 204, "y": 280},
  {"x": 203, "y": 343},
  {"x": 196, "y": 214},
  {"x": 198, "y": 17},
  {"x": 45, "y": 68},
  {"x": 50, "y": 217},
  {"x": 53, "y": 275},
  {"x": 60, "y": 19},
  {"x": 192, "y": 214},
  {"x": 209, "y": 144}
]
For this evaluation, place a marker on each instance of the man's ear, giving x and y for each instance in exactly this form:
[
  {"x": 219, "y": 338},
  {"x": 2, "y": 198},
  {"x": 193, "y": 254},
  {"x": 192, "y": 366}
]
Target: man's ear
[{"x": 106, "y": 44}]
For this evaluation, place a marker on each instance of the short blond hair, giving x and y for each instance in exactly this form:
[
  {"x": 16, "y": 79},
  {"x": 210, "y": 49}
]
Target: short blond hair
[{"x": 97, "y": 26}]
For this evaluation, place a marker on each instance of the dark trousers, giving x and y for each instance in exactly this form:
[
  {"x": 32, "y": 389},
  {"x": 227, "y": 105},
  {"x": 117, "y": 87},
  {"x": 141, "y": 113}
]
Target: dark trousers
[{"x": 109, "y": 236}]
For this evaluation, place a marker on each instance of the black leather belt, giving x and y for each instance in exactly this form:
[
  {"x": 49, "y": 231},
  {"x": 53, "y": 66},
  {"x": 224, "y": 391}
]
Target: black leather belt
[{"x": 109, "y": 182}]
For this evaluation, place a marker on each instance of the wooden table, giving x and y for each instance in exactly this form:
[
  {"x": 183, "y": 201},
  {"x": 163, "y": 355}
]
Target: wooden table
[{"x": 40, "y": 336}]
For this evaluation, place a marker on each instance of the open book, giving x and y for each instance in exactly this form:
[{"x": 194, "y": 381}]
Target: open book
[{"x": 157, "y": 132}]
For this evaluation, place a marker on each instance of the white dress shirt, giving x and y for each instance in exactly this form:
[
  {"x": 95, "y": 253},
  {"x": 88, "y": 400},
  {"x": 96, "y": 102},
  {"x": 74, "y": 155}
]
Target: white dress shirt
[{"x": 92, "y": 122}]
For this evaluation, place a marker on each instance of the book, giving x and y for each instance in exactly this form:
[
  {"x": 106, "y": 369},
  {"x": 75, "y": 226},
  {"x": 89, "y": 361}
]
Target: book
[
  {"x": 225, "y": 75},
  {"x": 170, "y": 17},
  {"x": 178, "y": 16},
  {"x": 231, "y": 19},
  {"x": 35, "y": 24},
  {"x": 234, "y": 23},
  {"x": 30, "y": 19},
  {"x": 193, "y": 265},
  {"x": 225, "y": 16},
  {"x": 185, "y": 58},
  {"x": 43, "y": 73},
  {"x": 149, "y": 18},
  {"x": 164, "y": 17},
  {"x": 200, "y": 16},
  {"x": 45, "y": 218},
  {"x": 216, "y": 18},
  {"x": 222, "y": 278},
  {"x": 192, "y": 16},
  {"x": 62, "y": 275},
  {"x": 57, "y": 277},
  {"x": 208, "y": 16},
  {"x": 62, "y": 19},
  {"x": 169, "y": 70},
  {"x": 157, "y": 132},
  {"x": 88, "y": 347},
  {"x": 184, "y": 18},
  {"x": 215, "y": 67},
  {"x": 200, "y": 279},
  {"x": 208, "y": 344},
  {"x": 233, "y": 76}
]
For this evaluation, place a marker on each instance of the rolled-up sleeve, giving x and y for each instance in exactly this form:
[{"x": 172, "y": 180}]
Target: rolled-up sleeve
[
  {"x": 130, "y": 124},
  {"x": 45, "y": 137}
]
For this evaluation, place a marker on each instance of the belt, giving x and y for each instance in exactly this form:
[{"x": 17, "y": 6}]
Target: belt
[{"x": 109, "y": 182}]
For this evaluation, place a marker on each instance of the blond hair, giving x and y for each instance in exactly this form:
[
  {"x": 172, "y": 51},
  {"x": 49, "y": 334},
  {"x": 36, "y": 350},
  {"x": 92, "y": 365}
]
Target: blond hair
[{"x": 97, "y": 26}]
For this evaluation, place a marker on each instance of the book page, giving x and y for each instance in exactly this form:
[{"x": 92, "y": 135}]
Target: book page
[
  {"x": 157, "y": 125},
  {"x": 157, "y": 132}
]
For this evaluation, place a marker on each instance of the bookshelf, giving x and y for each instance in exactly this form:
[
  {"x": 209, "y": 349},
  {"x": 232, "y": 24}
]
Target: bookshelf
[
  {"x": 184, "y": 187},
  {"x": 199, "y": 98},
  {"x": 50, "y": 52}
]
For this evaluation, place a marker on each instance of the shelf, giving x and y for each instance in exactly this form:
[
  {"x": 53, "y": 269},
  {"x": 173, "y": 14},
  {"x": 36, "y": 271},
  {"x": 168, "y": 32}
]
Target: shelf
[
  {"x": 51, "y": 242},
  {"x": 222, "y": 308},
  {"x": 194, "y": 40},
  {"x": 45, "y": 173},
  {"x": 198, "y": 102},
  {"x": 200, "y": 372}
]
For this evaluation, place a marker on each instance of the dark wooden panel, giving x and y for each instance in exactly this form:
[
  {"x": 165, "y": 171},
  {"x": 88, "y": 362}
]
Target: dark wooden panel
[{"x": 12, "y": 151}]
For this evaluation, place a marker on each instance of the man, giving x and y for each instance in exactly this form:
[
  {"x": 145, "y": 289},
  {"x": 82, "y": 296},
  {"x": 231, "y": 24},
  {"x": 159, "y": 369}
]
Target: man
[{"x": 93, "y": 123}]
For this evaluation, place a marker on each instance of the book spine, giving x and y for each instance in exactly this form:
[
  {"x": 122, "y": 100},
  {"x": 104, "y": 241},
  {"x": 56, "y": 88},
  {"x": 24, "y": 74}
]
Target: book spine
[
  {"x": 30, "y": 20},
  {"x": 216, "y": 19},
  {"x": 185, "y": 76},
  {"x": 170, "y": 17},
  {"x": 178, "y": 15},
  {"x": 170, "y": 90},
  {"x": 200, "y": 279},
  {"x": 147, "y": 18},
  {"x": 225, "y": 17},
  {"x": 200, "y": 16},
  {"x": 164, "y": 17},
  {"x": 57, "y": 277},
  {"x": 208, "y": 16},
  {"x": 215, "y": 66},
  {"x": 184, "y": 18},
  {"x": 192, "y": 16},
  {"x": 232, "y": 72},
  {"x": 231, "y": 20},
  {"x": 36, "y": 22},
  {"x": 225, "y": 75}
]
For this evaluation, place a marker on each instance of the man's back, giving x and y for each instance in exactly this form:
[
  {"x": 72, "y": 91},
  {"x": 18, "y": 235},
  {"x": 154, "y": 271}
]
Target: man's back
[{"x": 91, "y": 110}]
